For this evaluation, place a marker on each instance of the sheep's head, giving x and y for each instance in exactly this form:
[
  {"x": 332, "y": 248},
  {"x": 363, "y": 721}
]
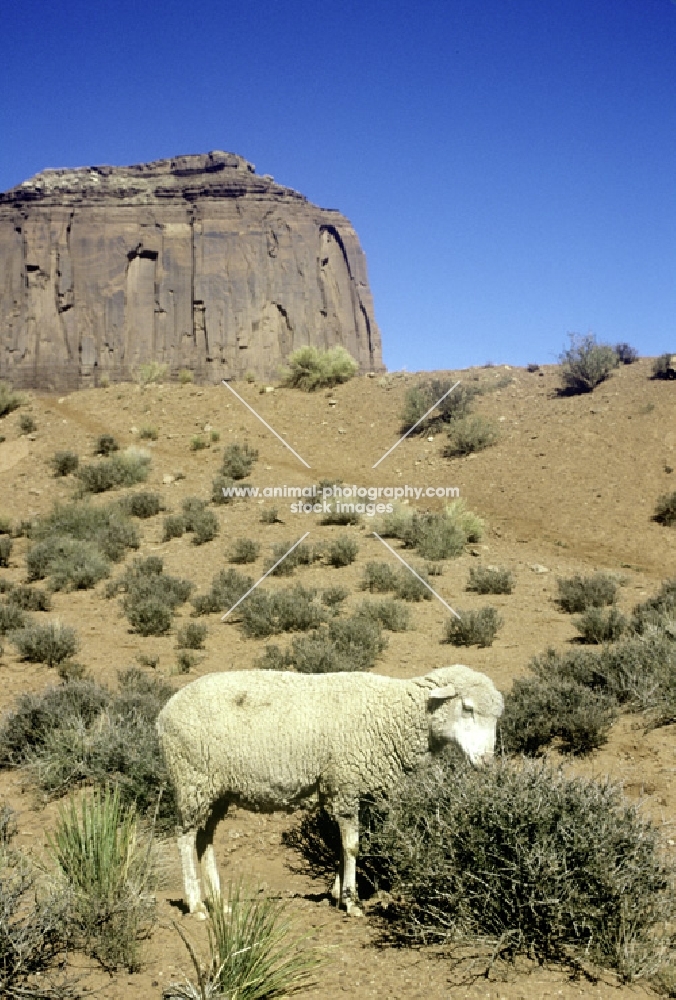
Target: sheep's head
[{"x": 464, "y": 709}]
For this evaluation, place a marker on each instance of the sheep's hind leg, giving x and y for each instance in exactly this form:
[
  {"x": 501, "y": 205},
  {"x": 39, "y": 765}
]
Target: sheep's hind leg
[
  {"x": 349, "y": 839},
  {"x": 207, "y": 857},
  {"x": 191, "y": 882}
]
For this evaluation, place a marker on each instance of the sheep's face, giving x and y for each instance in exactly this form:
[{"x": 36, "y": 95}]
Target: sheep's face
[{"x": 456, "y": 719}]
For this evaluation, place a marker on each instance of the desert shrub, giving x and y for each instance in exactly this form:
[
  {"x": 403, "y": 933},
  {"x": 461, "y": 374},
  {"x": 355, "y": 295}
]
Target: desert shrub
[
  {"x": 538, "y": 711},
  {"x": 379, "y": 577},
  {"x": 192, "y": 636},
  {"x": 197, "y": 443},
  {"x": 536, "y": 862},
  {"x": 238, "y": 460},
  {"x": 222, "y": 489},
  {"x": 473, "y": 628},
  {"x": 107, "y": 527},
  {"x": 174, "y": 526},
  {"x": 333, "y": 597},
  {"x": 665, "y": 509},
  {"x": 310, "y": 368},
  {"x": 396, "y": 524},
  {"x": 468, "y": 435},
  {"x": 596, "y": 626},
  {"x": 663, "y": 367},
  {"x": 215, "y": 436},
  {"x": 342, "y": 551},
  {"x": 657, "y": 612},
  {"x": 148, "y": 433},
  {"x": 70, "y": 564},
  {"x": 126, "y": 469},
  {"x": 192, "y": 508},
  {"x": 109, "y": 871},
  {"x": 204, "y": 527},
  {"x": 185, "y": 376},
  {"x": 64, "y": 463},
  {"x": 586, "y": 363},
  {"x": 27, "y": 424},
  {"x": 392, "y": 615},
  {"x": 421, "y": 397},
  {"x": 153, "y": 371},
  {"x": 626, "y": 354},
  {"x": 28, "y": 598},
  {"x": 9, "y": 400},
  {"x": 412, "y": 588},
  {"x": 435, "y": 536},
  {"x": 185, "y": 661},
  {"x": 471, "y": 525},
  {"x": 51, "y": 643},
  {"x": 291, "y": 610},
  {"x": 270, "y": 515},
  {"x": 244, "y": 550},
  {"x": 253, "y": 953},
  {"x": 11, "y": 618},
  {"x": 340, "y": 517},
  {"x": 490, "y": 580},
  {"x": 150, "y": 595},
  {"x": 5, "y": 525},
  {"x": 148, "y": 616},
  {"x": 347, "y": 644},
  {"x": 105, "y": 445},
  {"x": 227, "y": 587},
  {"x": 143, "y": 504},
  {"x": 302, "y": 555},
  {"x": 5, "y": 549},
  {"x": 579, "y": 593}
]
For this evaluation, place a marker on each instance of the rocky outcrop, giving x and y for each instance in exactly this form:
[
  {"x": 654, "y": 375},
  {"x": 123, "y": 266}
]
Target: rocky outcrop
[{"x": 195, "y": 262}]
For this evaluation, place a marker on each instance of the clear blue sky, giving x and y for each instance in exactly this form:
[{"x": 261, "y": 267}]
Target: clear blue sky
[{"x": 509, "y": 165}]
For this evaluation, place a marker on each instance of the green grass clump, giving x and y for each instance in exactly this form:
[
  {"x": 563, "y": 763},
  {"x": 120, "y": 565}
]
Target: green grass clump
[
  {"x": 539, "y": 711},
  {"x": 65, "y": 463},
  {"x": 9, "y": 400},
  {"x": 227, "y": 587},
  {"x": 150, "y": 595},
  {"x": 5, "y": 549},
  {"x": 471, "y": 525},
  {"x": 578, "y": 593},
  {"x": 125, "y": 469},
  {"x": 185, "y": 376},
  {"x": 109, "y": 871},
  {"x": 490, "y": 580},
  {"x": 174, "y": 527},
  {"x": 192, "y": 636},
  {"x": 473, "y": 628},
  {"x": 586, "y": 363},
  {"x": 519, "y": 856},
  {"x": 342, "y": 551},
  {"x": 197, "y": 443},
  {"x": 144, "y": 504},
  {"x": 51, "y": 643},
  {"x": 238, "y": 461},
  {"x": 271, "y": 612},
  {"x": 665, "y": 509},
  {"x": 253, "y": 952},
  {"x": 469, "y": 435},
  {"x": 244, "y": 550},
  {"x": 597, "y": 626},
  {"x": 310, "y": 368},
  {"x": 106, "y": 445}
]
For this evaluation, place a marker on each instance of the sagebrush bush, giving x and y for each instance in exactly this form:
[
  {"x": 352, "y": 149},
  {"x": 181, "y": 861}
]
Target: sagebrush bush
[
  {"x": 333, "y": 597},
  {"x": 396, "y": 524},
  {"x": 293, "y": 609},
  {"x": 466, "y": 520},
  {"x": 341, "y": 517},
  {"x": 346, "y": 644},
  {"x": 663, "y": 367},
  {"x": 469, "y": 435},
  {"x": 153, "y": 371},
  {"x": 244, "y": 550},
  {"x": 185, "y": 661},
  {"x": 5, "y": 549},
  {"x": 473, "y": 628},
  {"x": 579, "y": 593},
  {"x": 51, "y": 643},
  {"x": 434, "y": 535},
  {"x": 518, "y": 854},
  {"x": 222, "y": 489},
  {"x": 11, "y": 618},
  {"x": 490, "y": 580},
  {"x": 173, "y": 527},
  {"x": 379, "y": 577},
  {"x": 597, "y": 626},
  {"x": 107, "y": 527},
  {"x": 70, "y": 564},
  {"x": 392, "y": 615},
  {"x": 420, "y": 398},
  {"x": 28, "y": 598},
  {"x": 342, "y": 551},
  {"x": 665, "y": 509},
  {"x": 144, "y": 504},
  {"x": 64, "y": 463},
  {"x": 227, "y": 587},
  {"x": 148, "y": 433},
  {"x": 27, "y": 424},
  {"x": 311, "y": 368},
  {"x": 627, "y": 354},
  {"x": 9, "y": 400},
  {"x": 238, "y": 460},
  {"x": 302, "y": 555},
  {"x": 192, "y": 636},
  {"x": 150, "y": 595},
  {"x": 586, "y": 363},
  {"x": 185, "y": 376},
  {"x": 110, "y": 874},
  {"x": 539, "y": 710},
  {"x": 270, "y": 515},
  {"x": 204, "y": 528},
  {"x": 658, "y": 611},
  {"x": 197, "y": 443},
  {"x": 125, "y": 469},
  {"x": 106, "y": 445}
]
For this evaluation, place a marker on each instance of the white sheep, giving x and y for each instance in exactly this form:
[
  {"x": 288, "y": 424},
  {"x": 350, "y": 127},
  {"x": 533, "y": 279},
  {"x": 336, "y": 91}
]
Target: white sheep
[{"x": 270, "y": 739}]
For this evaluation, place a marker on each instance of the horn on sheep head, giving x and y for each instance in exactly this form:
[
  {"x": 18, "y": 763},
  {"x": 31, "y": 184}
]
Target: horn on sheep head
[{"x": 443, "y": 693}]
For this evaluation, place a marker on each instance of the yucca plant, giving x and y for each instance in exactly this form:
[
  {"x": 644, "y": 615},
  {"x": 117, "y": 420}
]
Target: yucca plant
[
  {"x": 110, "y": 874},
  {"x": 253, "y": 952}
]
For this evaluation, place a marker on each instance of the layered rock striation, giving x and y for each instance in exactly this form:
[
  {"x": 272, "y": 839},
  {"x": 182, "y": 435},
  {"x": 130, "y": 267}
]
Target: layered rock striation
[{"x": 195, "y": 262}]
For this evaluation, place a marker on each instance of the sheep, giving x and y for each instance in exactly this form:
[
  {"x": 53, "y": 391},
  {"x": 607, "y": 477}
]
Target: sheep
[{"x": 268, "y": 740}]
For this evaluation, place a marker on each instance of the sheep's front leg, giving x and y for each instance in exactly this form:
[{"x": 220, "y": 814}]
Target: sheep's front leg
[
  {"x": 349, "y": 839},
  {"x": 191, "y": 882}
]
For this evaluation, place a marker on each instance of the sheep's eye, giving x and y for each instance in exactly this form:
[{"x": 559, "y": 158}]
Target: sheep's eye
[{"x": 467, "y": 709}]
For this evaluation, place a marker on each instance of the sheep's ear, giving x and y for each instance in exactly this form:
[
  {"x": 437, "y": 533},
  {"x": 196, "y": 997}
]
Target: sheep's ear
[{"x": 442, "y": 694}]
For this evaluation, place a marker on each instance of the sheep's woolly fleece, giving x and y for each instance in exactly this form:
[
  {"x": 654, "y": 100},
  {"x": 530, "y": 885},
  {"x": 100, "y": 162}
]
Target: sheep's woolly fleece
[{"x": 268, "y": 739}]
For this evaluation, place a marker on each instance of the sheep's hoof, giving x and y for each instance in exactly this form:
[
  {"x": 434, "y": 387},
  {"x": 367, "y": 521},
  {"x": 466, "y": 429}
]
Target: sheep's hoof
[
  {"x": 200, "y": 913},
  {"x": 353, "y": 910}
]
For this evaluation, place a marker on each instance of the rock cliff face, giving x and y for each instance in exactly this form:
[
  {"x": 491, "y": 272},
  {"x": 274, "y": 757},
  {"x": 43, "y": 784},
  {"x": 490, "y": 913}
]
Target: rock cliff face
[{"x": 196, "y": 262}]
